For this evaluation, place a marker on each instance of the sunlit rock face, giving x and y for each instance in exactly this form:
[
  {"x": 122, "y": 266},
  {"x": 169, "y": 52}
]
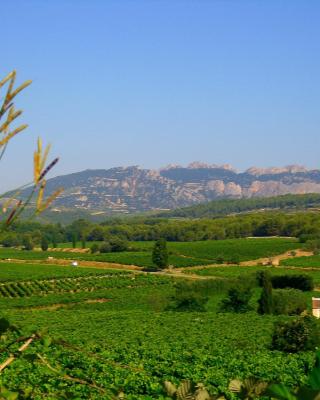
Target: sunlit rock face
[{"x": 132, "y": 189}]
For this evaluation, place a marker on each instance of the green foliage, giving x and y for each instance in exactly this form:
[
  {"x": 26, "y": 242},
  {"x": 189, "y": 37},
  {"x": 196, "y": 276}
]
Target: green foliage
[
  {"x": 299, "y": 334},
  {"x": 160, "y": 254},
  {"x": 118, "y": 244},
  {"x": 188, "y": 297},
  {"x": 266, "y": 298},
  {"x": 105, "y": 247},
  {"x": 74, "y": 240},
  {"x": 44, "y": 243},
  {"x": 27, "y": 243},
  {"x": 187, "y": 390},
  {"x": 301, "y": 282},
  {"x": 288, "y": 302},
  {"x": 305, "y": 261},
  {"x": 228, "y": 206},
  {"x": 308, "y": 391},
  {"x": 249, "y": 388},
  {"x": 237, "y": 300},
  {"x": 94, "y": 248}
]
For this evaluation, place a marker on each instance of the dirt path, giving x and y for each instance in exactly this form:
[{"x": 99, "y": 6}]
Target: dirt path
[{"x": 275, "y": 260}]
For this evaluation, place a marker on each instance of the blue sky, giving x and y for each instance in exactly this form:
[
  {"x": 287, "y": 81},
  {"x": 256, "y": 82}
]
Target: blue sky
[{"x": 155, "y": 82}]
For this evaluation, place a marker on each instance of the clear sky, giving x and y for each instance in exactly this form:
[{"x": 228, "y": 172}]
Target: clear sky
[{"x": 133, "y": 82}]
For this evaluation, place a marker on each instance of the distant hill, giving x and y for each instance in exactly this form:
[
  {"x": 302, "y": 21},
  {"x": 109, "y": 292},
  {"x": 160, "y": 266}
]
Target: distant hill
[{"x": 133, "y": 189}]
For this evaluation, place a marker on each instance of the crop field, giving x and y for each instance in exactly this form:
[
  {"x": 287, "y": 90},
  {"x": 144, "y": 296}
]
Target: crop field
[
  {"x": 181, "y": 254},
  {"x": 243, "y": 271},
  {"x": 307, "y": 262},
  {"x": 11, "y": 271},
  {"x": 113, "y": 327}
]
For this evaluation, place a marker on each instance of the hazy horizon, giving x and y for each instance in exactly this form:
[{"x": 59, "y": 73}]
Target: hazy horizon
[{"x": 167, "y": 82}]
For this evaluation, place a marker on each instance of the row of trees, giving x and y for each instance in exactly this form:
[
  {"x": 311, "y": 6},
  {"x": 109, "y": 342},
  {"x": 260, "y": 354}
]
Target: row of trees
[{"x": 305, "y": 226}]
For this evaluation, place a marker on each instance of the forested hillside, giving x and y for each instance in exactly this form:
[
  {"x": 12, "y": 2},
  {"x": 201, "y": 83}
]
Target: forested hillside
[{"x": 229, "y": 206}]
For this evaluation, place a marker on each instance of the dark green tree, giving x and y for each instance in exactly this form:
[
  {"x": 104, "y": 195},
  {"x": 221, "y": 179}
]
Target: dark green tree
[
  {"x": 54, "y": 241},
  {"x": 160, "y": 254},
  {"x": 237, "y": 300},
  {"x": 265, "y": 301},
  {"x": 44, "y": 243},
  {"x": 74, "y": 240}
]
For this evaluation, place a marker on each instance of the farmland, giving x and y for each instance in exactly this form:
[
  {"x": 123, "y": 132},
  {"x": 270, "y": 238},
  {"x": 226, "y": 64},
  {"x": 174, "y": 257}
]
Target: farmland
[
  {"x": 181, "y": 254},
  {"x": 114, "y": 326},
  {"x": 307, "y": 262}
]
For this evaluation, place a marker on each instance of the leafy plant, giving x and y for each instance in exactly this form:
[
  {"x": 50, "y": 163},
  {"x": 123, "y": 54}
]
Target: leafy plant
[
  {"x": 8, "y": 114},
  {"x": 300, "y": 334},
  {"x": 237, "y": 300},
  {"x": 309, "y": 391},
  {"x": 188, "y": 390},
  {"x": 247, "y": 389}
]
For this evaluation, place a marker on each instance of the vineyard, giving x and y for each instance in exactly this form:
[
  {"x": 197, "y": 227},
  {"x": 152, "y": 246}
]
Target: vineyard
[
  {"x": 98, "y": 333},
  {"x": 181, "y": 254},
  {"x": 307, "y": 262},
  {"x": 110, "y": 333}
]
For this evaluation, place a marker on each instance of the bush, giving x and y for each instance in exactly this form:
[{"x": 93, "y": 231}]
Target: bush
[
  {"x": 188, "y": 297},
  {"x": 27, "y": 243},
  {"x": 288, "y": 301},
  {"x": 114, "y": 244},
  {"x": 105, "y": 247},
  {"x": 296, "y": 335},
  {"x": 94, "y": 248},
  {"x": 10, "y": 240},
  {"x": 237, "y": 300},
  {"x": 313, "y": 245},
  {"x": 117, "y": 244},
  {"x": 301, "y": 282}
]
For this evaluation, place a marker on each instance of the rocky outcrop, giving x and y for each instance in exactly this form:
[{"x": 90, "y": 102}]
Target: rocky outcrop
[{"x": 132, "y": 189}]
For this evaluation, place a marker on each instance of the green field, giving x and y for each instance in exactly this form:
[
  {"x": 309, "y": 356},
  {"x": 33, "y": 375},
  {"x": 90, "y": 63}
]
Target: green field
[
  {"x": 237, "y": 271},
  {"x": 181, "y": 254},
  {"x": 307, "y": 261},
  {"x": 127, "y": 341}
]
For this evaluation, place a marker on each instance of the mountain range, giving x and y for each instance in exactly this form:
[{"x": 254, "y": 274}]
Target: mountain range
[{"x": 134, "y": 189}]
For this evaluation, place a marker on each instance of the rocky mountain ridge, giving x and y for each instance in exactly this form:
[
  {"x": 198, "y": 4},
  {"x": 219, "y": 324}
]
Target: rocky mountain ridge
[{"x": 132, "y": 189}]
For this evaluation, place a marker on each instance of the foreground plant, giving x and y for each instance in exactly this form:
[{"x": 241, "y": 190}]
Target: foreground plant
[
  {"x": 309, "y": 391},
  {"x": 8, "y": 115},
  {"x": 188, "y": 390}
]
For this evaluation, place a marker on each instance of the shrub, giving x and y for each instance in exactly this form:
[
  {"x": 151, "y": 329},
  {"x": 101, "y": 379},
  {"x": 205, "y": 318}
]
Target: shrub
[
  {"x": 105, "y": 247},
  {"x": 288, "y": 301},
  {"x": 27, "y": 243},
  {"x": 301, "y": 282},
  {"x": 188, "y": 297},
  {"x": 313, "y": 245},
  {"x": 237, "y": 300},
  {"x": 94, "y": 248},
  {"x": 117, "y": 244},
  {"x": 300, "y": 334},
  {"x": 10, "y": 240}
]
